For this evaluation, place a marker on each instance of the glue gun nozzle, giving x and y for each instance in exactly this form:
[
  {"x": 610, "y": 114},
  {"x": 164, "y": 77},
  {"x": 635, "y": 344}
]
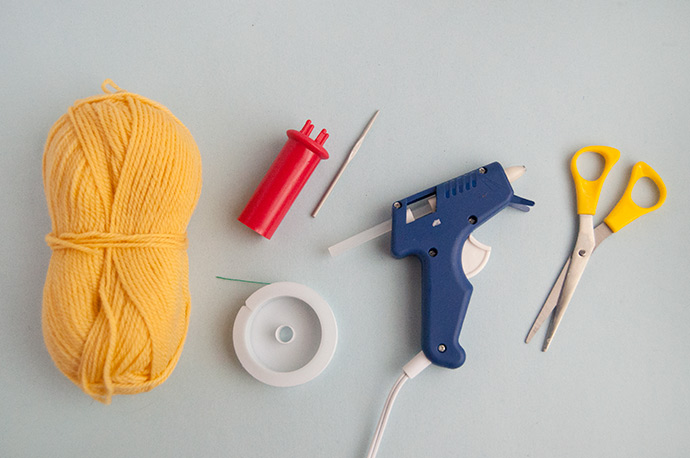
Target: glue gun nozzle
[{"x": 515, "y": 172}]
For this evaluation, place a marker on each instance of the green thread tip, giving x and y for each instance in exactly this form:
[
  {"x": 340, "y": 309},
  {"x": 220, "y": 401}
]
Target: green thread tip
[{"x": 243, "y": 281}]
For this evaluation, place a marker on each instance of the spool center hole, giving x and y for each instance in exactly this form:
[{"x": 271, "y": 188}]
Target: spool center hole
[{"x": 285, "y": 334}]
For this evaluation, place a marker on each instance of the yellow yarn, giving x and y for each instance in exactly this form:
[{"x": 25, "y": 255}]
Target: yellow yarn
[{"x": 122, "y": 176}]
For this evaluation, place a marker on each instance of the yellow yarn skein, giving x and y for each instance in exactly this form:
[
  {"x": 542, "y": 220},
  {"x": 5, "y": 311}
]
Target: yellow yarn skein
[{"x": 122, "y": 176}]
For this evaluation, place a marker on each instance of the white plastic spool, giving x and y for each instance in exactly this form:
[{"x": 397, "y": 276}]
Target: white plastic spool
[{"x": 285, "y": 334}]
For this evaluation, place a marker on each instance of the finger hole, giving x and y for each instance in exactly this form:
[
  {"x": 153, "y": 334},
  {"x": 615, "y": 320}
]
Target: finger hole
[
  {"x": 645, "y": 193},
  {"x": 590, "y": 165}
]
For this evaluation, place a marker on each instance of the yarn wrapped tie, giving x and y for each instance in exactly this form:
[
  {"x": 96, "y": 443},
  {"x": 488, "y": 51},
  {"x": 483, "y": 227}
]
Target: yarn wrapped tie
[
  {"x": 122, "y": 176},
  {"x": 91, "y": 242}
]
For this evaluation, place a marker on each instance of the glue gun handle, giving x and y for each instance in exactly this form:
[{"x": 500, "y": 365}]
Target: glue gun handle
[{"x": 446, "y": 295}]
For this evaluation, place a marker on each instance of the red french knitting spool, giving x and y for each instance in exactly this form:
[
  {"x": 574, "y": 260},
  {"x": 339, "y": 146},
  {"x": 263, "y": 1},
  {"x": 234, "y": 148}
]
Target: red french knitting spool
[{"x": 284, "y": 180}]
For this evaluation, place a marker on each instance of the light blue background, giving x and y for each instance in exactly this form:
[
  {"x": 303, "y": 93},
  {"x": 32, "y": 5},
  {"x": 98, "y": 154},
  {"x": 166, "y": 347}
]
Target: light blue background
[{"x": 459, "y": 85}]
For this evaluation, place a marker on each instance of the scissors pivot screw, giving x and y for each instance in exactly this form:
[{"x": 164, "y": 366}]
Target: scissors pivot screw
[
  {"x": 582, "y": 252},
  {"x": 442, "y": 348},
  {"x": 482, "y": 170},
  {"x": 397, "y": 205}
]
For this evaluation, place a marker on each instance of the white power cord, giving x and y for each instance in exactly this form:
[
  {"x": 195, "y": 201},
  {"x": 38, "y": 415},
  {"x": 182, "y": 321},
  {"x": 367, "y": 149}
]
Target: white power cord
[{"x": 410, "y": 370}]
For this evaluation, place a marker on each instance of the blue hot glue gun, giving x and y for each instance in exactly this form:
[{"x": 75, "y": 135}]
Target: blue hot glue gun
[{"x": 433, "y": 225}]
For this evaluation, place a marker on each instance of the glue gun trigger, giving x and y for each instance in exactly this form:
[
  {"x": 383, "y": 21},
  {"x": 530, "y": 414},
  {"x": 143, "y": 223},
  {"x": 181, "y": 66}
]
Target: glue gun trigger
[{"x": 475, "y": 255}]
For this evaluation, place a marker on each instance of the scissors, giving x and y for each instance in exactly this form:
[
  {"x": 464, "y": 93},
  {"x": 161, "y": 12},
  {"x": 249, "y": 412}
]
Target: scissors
[{"x": 589, "y": 237}]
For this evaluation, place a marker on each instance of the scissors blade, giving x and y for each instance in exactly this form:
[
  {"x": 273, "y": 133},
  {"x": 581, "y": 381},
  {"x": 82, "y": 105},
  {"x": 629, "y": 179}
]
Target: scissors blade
[
  {"x": 550, "y": 303},
  {"x": 584, "y": 246},
  {"x": 601, "y": 232}
]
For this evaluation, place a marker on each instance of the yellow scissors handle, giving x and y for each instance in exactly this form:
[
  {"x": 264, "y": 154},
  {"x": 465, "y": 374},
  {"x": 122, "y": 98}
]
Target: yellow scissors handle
[
  {"x": 626, "y": 210},
  {"x": 588, "y": 191}
]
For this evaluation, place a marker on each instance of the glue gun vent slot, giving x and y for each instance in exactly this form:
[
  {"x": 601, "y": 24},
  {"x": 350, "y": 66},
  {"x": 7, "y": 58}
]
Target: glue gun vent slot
[{"x": 461, "y": 184}]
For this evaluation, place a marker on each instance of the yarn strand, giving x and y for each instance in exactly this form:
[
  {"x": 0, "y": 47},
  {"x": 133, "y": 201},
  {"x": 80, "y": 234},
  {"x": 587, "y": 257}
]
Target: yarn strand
[{"x": 109, "y": 82}]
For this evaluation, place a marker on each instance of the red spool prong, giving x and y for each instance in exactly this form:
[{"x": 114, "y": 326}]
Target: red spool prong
[
  {"x": 308, "y": 127},
  {"x": 322, "y": 137}
]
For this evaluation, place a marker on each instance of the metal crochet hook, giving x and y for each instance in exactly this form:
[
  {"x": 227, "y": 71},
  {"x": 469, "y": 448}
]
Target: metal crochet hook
[{"x": 349, "y": 158}]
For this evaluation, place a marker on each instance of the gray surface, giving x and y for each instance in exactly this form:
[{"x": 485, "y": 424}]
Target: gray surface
[{"x": 459, "y": 86}]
